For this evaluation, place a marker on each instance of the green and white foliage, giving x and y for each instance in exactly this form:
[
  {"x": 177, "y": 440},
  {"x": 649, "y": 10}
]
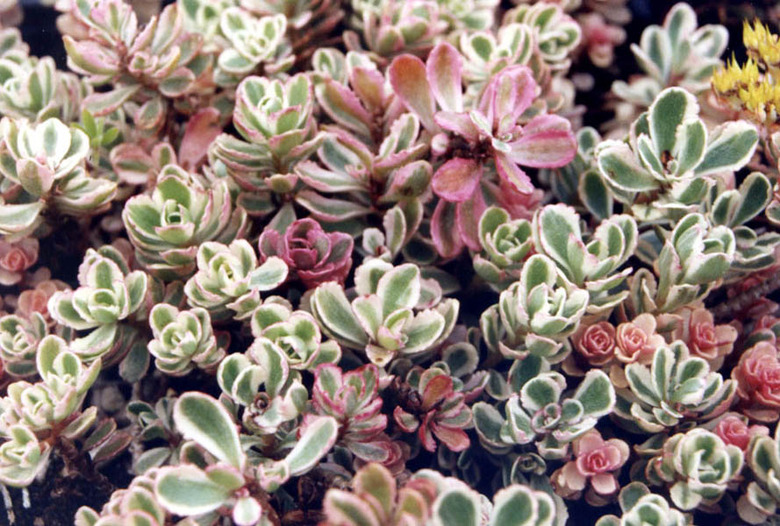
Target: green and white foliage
[
  {"x": 505, "y": 245},
  {"x": 541, "y": 413},
  {"x": 678, "y": 53},
  {"x": 184, "y": 211},
  {"x": 698, "y": 466},
  {"x": 264, "y": 365},
  {"x": 43, "y": 166},
  {"x": 295, "y": 332},
  {"x": 594, "y": 266},
  {"x": 759, "y": 504},
  {"x": 195, "y": 490},
  {"x": 642, "y": 508},
  {"x": 183, "y": 340},
  {"x": 675, "y": 387},
  {"x": 109, "y": 294},
  {"x": 395, "y": 312},
  {"x": 228, "y": 280},
  {"x": 536, "y": 314},
  {"x": 672, "y": 157}
]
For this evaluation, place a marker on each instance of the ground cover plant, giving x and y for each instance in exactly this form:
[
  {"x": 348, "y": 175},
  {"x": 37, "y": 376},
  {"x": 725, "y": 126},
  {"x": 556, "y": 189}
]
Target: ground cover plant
[{"x": 367, "y": 262}]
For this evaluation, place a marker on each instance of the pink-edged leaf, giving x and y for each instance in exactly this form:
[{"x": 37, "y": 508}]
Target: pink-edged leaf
[
  {"x": 547, "y": 142},
  {"x": 443, "y": 72},
  {"x": 200, "y": 132},
  {"x": 512, "y": 173},
  {"x": 369, "y": 85},
  {"x": 457, "y": 179},
  {"x": 435, "y": 391},
  {"x": 444, "y": 232},
  {"x": 507, "y": 96},
  {"x": 343, "y": 106},
  {"x": 407, "y": 76},
  {"x": 455, "y": 439},
  {"x": 406, "y": 421},
  {"x": 425, "y": 434},
  {"x": 458, "y": 123},
  {"x": 468, "y": 214}
]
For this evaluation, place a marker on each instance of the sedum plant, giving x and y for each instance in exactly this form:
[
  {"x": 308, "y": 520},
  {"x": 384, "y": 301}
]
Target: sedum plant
[
  {"x": 396, "y": 312},
  {"x": 674, "y": 386},
  {"x": 698, "y": 465}
]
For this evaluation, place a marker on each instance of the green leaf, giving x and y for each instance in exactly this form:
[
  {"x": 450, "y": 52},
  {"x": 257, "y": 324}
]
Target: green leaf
[
  {"x": 671, "y": 108},
  {"x": 731, "y": 146},
  {"x": 201, "y": 418},
  {"x": 187, "y": 490},
  {"x": 269, "y": 275},
  {"x": 595, "y": 195},
  {"x": 618, "y": 165},
  {"x": 596, "y": 394},
  {"x": 334, "y": 313},
  {"x": 399, "y": 288},
  {"x": 457, "y": 507},
  {"x": 318, "y": 437}
]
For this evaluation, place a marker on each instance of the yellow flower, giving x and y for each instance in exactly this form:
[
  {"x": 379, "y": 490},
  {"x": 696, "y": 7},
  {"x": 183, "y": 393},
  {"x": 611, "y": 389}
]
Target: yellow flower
[
  {"x": 761, "y": 43},
  {"x": 734, "y": 77}
]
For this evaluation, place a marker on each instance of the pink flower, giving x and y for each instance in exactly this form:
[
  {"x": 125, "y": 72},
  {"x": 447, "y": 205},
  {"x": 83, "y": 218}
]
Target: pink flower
[
  {"x": 314, "y": 255},
  {"x": 596, "y": 461},
  {"x": 704, "y": 339},
  {"x": 758, "y": 382},
  {"x": 15, "y": 258},
  {"x": 600, "y": 38},
  {"x": 734, "y": 430},
  {"x": 596, "y": 343},
  {"x": 637, "y": 341},
  {"x": 37, "y": 299}
]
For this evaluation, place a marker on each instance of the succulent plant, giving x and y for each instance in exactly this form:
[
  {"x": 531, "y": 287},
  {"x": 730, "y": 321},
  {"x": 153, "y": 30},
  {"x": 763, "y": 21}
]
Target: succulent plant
[
  {"x": 540, "y": 413},
  {"x": 595, "y": 464},
  {"x": 184, "y": 211},
  {"x": 640, "y": 506},
  {"x": 535, "y": 314},
  {"x": 353, "y": 399},
  {"x": 296, "y": 333},
  {"x": 312, "y": 254},
  {"x": 435, "y": 410},
  {"x": 670, "y": 151},
  {"x": 674, "y": 387},
  {"x": 759, "y": 503},
  {"x": 698, "y": 466},
  {"x": 395, "y": 313},
  {"x": 183, "y": 340},
  {"x": 109, "y": 293},
  {"x": 676, "y": 53},
  {"x": 228, "y": 278}
]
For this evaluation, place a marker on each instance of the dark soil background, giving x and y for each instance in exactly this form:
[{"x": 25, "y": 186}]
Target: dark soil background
[{"x": 55, "y": 501}]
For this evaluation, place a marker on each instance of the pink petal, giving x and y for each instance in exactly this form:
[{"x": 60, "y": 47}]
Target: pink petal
[
  {"x": 407, "y": 76},
  {"x": 443, "y": 230},
  {"x": 457, "y": 179},
  {"x": 547, "y": 142},
  {"x": 512, "y": 174},
  {"x": 443, "y": 72},
  {"x": 573, "y": 479},
  {"x": 588, "y": 442},
  {"x": 468, "y": 214},
  {"x": 201, "y": 130},
  {"x": 604, "y": 483}
]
